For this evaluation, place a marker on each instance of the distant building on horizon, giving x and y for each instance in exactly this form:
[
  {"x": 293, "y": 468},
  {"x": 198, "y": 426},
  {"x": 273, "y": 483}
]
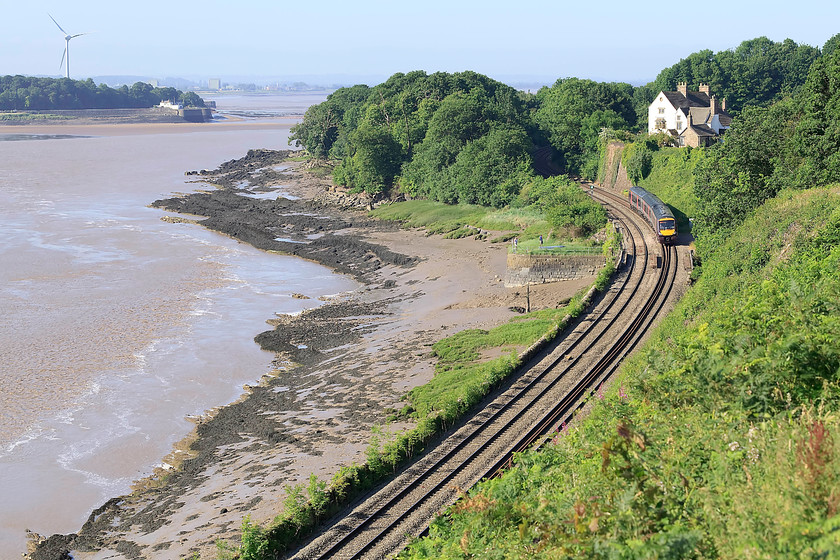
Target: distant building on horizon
[
  {"x": 214, "y": 84},
  {"x": 692, "y": 118}
]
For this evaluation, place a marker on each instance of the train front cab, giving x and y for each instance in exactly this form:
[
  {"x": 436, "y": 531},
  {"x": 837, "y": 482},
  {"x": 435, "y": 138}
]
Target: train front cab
[{"x": 667, "y": 231}]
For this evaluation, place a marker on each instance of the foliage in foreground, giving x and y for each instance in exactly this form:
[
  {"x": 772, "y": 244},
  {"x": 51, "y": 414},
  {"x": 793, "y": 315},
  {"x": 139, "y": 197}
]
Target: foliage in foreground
[{"x": 721, "y": 439}]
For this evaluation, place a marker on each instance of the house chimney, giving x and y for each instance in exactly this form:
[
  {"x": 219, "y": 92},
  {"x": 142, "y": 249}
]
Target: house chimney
[
  {"x": 704, "y": 88},
  {"x": 723, "y": 105},
  {"x": 682, "y": 88},
  {"x": 712, "y": 103}
]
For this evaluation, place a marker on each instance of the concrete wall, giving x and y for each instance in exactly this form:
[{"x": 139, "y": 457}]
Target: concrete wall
[
  {"x": 539, "y": 269},
  {"x": 197, "y": 114}
]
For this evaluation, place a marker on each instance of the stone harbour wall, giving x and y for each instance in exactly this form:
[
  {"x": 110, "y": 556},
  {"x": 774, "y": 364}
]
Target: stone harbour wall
[{"x": 523, "y": 269}]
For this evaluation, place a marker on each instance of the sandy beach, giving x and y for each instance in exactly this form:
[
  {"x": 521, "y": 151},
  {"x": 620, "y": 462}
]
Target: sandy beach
[{"x": 339, "y": 367}]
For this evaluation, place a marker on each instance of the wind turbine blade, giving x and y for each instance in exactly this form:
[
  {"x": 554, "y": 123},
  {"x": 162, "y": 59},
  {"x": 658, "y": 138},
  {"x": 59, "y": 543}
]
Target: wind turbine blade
[
  {"x": 79, "y": 35},
  {"x": 62, "y": 58},
  {"x": 56, "y": 23}
]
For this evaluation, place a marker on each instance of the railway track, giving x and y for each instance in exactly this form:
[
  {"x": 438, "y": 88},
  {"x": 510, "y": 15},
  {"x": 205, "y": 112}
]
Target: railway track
[{"x": 542, "y": 397}]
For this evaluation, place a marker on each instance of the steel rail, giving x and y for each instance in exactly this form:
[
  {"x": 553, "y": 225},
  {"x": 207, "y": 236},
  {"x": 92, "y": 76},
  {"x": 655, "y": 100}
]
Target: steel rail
[{"x": 576, "y": 394}]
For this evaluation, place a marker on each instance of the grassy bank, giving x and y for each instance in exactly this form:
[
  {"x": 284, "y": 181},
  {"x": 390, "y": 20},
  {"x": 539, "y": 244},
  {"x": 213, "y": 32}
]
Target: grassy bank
[
  {"x": 448, "y": 219},
  {"x": 720, "y": 439}
]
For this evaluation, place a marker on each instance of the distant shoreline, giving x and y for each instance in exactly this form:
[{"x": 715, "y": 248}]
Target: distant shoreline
[
  {"x": 113, "y": 125},
  {"x": 92, "y": 116}
]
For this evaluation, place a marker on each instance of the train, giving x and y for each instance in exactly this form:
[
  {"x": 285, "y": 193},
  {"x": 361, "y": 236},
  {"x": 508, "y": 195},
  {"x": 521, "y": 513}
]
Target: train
[{"x": 656, "y": 213}]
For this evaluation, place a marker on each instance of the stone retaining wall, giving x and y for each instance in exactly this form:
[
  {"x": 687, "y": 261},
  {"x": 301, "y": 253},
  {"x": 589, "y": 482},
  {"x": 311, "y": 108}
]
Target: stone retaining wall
[{"x": 523, "y": 269}]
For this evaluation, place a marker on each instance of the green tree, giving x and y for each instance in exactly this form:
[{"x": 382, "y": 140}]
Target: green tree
[
  {"x": 565, "y": 107},
  {"x": 737, "y": 176},
  {"x": 375, "y": 162},
  {"x": 23, "y": 92},
  {"x": 318, "y": 130},
  {"x": 817, "y": 137},
  {"x": 191, "y": 99},
  {"x": 568, "y": 207},
  {"x": 423, "y": 123},
  {"x": 831, "y": 45},
  {"x": 492, "y": 169},
  {"x": 758, "y": 72}
]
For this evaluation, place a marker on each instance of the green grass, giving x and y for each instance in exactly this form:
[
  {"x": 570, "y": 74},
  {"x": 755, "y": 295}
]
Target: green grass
[
  {"x": 719, "y": 439},
  {"x": 556, "y": 246},
  {"x": 514, "y": 219},
  {"x": 437, "y": 217},
  {"x": 462, "y": 378}
]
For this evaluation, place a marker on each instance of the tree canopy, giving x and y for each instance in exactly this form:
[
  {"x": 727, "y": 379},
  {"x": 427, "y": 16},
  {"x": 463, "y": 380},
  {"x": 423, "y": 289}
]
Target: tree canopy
[
  {"x": 464, "y": 137},
  {"x": 23, "y": 93},
  {"x": 459, "y": 137},
  {"x": 757, "y": 72},
  {"x": 793, "y": 143}
]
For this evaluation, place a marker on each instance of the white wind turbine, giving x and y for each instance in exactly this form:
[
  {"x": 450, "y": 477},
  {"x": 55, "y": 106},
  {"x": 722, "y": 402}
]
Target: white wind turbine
[{"x": 66, "y": 54}]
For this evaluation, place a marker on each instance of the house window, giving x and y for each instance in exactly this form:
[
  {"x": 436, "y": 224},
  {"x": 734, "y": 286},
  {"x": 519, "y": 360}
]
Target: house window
[
  {"x": 662, "y": 110},
  {"x": 660, "y": 124}
]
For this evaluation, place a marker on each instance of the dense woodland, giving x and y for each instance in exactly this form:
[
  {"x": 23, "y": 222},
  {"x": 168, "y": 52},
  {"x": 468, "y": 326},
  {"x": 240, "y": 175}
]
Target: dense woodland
[
  {"x": 721, "y": 437},
  {"x": 466, "y": 138},
  {"x": 23, "y": 93}
]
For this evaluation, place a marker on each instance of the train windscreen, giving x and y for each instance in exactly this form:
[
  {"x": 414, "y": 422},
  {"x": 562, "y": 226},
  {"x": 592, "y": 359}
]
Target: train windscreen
[{"x": 667, "y": 223}]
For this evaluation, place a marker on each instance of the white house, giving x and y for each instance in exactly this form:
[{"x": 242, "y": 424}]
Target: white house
[
  {"x": 693, "y": 118},
  {"x": 166, "y": 104}
]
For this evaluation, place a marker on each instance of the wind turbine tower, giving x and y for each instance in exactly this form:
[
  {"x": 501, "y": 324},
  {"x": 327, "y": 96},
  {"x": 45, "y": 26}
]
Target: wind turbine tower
[{"x": 65, "y": 58}]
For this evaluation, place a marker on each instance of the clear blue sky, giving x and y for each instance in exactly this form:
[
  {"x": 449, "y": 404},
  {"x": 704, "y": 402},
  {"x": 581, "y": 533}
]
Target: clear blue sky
[{"x": 606, "y": 40}]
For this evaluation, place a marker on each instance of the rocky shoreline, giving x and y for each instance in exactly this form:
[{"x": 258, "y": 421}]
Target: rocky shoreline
[{"x": 338, "y": 369}]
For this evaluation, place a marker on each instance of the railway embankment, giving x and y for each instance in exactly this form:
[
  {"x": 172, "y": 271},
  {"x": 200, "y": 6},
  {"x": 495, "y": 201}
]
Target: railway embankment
[{"x": 719, "y": 438}]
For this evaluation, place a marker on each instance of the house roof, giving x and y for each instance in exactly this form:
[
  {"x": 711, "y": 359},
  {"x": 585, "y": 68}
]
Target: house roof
[
  {"x": 694, "y": 100},
  {"x": 691, "y": 99},
  {"x": 700, "y": 115},
  {"x": 702, "y": 130}
]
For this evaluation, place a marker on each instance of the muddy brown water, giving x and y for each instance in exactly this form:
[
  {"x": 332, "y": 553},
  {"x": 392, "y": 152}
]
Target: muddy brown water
[{"x": 117, "y": 326}]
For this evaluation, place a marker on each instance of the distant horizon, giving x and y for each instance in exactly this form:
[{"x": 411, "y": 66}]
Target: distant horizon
[
  {"x": 328, "y": 81},
  {"x": 367, "y": 41}
]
